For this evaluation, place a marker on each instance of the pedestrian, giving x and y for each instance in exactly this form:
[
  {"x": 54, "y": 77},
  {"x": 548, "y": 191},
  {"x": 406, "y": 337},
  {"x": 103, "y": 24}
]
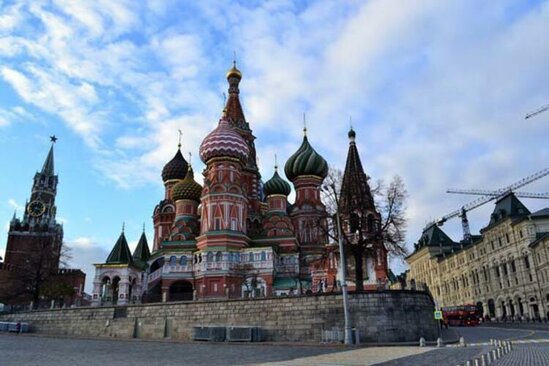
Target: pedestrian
[{"x": 18, "y": 328}]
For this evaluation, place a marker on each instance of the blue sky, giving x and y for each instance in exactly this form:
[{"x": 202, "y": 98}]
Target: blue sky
[{"x": 437, "y": 91}]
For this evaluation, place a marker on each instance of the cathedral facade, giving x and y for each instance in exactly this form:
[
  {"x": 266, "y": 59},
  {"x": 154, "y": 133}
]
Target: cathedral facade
[{"x": 234, "y": 236}]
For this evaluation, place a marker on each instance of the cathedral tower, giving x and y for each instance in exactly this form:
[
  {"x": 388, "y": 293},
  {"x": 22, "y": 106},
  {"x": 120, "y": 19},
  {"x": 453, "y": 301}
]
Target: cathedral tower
[
  {"x": 307, "y": 170},
  {"x": 250, "y": 172}
]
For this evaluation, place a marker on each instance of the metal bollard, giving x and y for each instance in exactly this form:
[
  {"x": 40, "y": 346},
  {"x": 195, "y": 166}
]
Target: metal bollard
[
  {"x": 476, "y": 362},
  {"x": 439, "y": 342},
  {"x": 422, "y": 342},
  {"x": 511, "y": 346},
  {"x": 468, "y": 363},
  {"x": 462, "y": 342},
  {"x": 489, "y": 358},
  {"x": 498, "y": 352},
  {"x": 494, "y": 355},
  {"x": 483, "y": 360}
]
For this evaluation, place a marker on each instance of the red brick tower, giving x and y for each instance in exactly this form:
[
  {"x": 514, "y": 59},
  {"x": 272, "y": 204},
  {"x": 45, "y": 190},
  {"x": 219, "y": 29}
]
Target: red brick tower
[
  {"x": 307, "y": 169},
  {"x": 250, "y": 172},
  {"x": 164, "y": 213},
  {"x": 224, "y": 208}
]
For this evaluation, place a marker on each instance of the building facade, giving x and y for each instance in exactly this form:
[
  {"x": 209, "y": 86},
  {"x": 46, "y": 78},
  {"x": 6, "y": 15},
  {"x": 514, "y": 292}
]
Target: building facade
[
  {"x": 235, "y": 236},
  {"x": 503, "y": 271}
]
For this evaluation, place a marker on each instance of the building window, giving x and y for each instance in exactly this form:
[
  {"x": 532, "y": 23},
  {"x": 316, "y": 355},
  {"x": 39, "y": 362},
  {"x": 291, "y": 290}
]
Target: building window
[
  {"x": 263, "y": 256},
  {"x": 234, "y": 225},
  {"x": 209, "y": 257},
  {"x": 507, "y": 238},
  {"x": 218, "y": 256},
  {"x": 251, "y": 257},
  {"x": 183, "y": 260},
  {"x": 513, "y": 267},
  {"x": 217, "y": 223},
  {"x": 173, "y": 260},
  {"x": 526, "y": 262},
  {"x": 500, "y": 242}
]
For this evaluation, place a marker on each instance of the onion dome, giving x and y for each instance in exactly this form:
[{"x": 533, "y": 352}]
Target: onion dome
[
  {"x": 176, "y": 168},
  {"x": 187, "y": 189},
  {"x": 224, "y": 141},
  {"x": 234, "y": 72},
  {"x": 352, "y": 134},
  {"x": 306, "y": 161},
  {"x": 276, "y": 185}
]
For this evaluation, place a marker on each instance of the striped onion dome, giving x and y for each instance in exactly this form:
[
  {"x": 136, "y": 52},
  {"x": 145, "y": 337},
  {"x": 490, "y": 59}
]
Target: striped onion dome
[
  {"x": 276, "y": 185},
  {"x": 224, "y": 141},
  {"x": 187, "y": 189},
  {"x": 306, "y": 161}
]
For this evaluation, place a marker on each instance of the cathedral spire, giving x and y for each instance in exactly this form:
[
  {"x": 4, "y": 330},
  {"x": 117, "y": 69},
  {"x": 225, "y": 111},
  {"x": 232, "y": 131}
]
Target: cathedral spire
[{"x": 233, "y": 108}]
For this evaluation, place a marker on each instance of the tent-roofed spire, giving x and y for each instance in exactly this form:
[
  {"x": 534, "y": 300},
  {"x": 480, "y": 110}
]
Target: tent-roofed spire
[
  {"x": 120, "y": 253},
  {"x": 233, "y": 109},
  {"x": 355, "y": 190},
  {"x": 141, "y": 252}
]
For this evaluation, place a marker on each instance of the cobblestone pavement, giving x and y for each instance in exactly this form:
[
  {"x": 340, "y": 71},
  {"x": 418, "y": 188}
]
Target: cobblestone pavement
[
  {"x": 531, "y": 348},
  {"x": 526, "y": 355}
]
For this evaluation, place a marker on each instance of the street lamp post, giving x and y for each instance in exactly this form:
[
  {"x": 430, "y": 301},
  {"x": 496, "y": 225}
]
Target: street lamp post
[{"x": 347, "y": 323}]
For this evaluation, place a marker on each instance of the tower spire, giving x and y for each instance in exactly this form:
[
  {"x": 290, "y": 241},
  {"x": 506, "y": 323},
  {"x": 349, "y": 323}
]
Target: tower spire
[
  {"x": 180, "y": 134},
  {"x": 48, "y": 167}
]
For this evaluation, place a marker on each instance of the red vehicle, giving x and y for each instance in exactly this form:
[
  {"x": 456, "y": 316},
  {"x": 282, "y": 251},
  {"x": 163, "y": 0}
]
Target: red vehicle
[{"x": 462, "y": 315}]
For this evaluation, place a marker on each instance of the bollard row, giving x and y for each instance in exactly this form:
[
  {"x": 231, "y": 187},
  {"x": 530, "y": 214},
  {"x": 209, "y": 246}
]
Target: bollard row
[{"x": 501, "y": 349}]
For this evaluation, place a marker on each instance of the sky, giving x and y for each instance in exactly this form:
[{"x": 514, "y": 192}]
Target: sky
[{"x": 437, "y": 92}]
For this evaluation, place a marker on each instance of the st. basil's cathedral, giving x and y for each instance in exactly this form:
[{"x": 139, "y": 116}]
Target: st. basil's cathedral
[{"x": 234, "y": 236}]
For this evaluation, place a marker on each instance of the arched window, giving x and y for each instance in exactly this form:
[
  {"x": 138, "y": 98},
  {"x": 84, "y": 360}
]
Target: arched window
[
  {"x": 237, "y": 257},
  {"x": 218, "y": 256},
  {"x": 209, "y": 257},
  {"x": 263, "y": 256},
  {"x": 183, "y": 260},
  {"x": 173, "y": 260},
  {"x": 251, "y": 256}
]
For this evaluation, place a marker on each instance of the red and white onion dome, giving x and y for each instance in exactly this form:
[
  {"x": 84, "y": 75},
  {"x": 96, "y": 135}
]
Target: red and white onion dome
[{"x": 224, "y": 141}]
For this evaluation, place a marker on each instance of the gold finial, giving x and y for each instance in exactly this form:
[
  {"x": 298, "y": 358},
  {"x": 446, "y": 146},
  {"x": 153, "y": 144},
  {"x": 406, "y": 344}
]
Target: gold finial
[
  {"x": 304, "y": 125},
  {"x": 234, "y": 58},
  {"x": 180, "y": 134}
]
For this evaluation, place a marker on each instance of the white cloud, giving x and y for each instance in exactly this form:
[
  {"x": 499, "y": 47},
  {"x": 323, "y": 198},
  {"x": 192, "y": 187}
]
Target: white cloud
[
  {"x": 13, "y": 203},
  {"x": 437, "y": 90}
]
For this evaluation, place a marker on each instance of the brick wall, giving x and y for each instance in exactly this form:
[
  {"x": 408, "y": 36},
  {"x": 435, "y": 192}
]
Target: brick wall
[{"x": 382, "y": 316}]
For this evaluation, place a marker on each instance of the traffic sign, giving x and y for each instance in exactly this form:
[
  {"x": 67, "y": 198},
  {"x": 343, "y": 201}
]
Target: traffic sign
[{"x": 438, "y": 315}]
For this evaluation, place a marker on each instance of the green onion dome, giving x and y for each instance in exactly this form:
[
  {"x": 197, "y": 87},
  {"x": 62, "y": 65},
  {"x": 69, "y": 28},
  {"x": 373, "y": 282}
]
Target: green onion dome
[
  {"x": 306, "y": 161},
  {"x": 276, "y": 185},
  {"x": 187, "y": 189},
  {"x": 175, "y": 168}
]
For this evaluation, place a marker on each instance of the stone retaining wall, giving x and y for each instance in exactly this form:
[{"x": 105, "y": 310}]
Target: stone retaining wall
[{"x": 381, "y": 316}]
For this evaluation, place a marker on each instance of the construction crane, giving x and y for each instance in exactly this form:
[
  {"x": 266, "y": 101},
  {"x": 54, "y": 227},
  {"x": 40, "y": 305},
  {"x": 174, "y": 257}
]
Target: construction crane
[
  {"x": 492, "y": 195},
  {"x": 484, "y": 192},
  {"x": 537, "y": 111}
]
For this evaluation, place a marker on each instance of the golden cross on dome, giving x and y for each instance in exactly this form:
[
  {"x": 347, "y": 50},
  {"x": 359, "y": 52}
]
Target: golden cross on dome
[
  {"x": 180, "y": 134},
  {"x": 276, "y": 163},
  {"x": 304, "y": 125}
]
